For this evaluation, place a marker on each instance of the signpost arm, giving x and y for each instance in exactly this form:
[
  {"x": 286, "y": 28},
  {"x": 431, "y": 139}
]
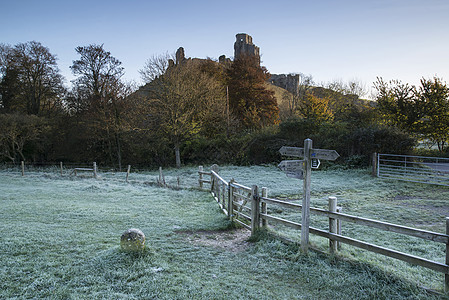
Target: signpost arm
[{"x": 306, "y": 199}]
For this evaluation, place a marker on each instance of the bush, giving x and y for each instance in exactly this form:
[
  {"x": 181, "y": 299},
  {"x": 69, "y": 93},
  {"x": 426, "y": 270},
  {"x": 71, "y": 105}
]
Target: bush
[{"x": 355, "y": 146}]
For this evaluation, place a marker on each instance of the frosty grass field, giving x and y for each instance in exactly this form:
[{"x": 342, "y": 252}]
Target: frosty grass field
[{"x": 60, "y": 238}]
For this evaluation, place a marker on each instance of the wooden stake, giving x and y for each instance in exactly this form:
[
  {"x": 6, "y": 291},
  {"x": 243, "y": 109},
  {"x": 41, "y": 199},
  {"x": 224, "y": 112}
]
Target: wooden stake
[
  {"x": 23, "y": 168},
  {"x": 95, "y": 170},
  {"x": 200, "y": 181},
  {"x": 332, "y": 224},
  {"x": 127, "y": 172},
  {"x": 161, "y": 177}
]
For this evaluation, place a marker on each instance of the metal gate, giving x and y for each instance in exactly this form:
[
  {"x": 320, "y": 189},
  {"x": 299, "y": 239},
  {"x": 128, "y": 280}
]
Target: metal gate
[{"x": 430, "y": 170}]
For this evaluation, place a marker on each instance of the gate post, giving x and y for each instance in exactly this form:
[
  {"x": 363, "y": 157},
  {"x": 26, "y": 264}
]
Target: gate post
[
  {"x": 214, "y": 168},
  {"x": 200, "y": 180},
  {"x": 231, "y": 200},
  {"x": 264, "y": 206},
  {"x": 374, "y": 163},
  {"x": 255, "y": 210}
]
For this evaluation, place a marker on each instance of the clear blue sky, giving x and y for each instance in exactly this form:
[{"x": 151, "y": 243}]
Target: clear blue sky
[{"x": 345, "y": 39}]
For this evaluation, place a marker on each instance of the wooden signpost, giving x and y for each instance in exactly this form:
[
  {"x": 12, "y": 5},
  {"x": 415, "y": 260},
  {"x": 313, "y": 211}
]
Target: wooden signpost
[
  {"x": 293, "y": 168},
  {"x": 302, "y": 169}
]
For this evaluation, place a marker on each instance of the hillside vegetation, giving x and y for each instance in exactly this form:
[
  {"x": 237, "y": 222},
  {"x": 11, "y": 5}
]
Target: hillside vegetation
[{"x": 192, "y": 111}]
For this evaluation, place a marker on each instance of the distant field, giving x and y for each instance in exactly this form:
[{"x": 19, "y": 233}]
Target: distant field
[{"x": 60, "y": 239}]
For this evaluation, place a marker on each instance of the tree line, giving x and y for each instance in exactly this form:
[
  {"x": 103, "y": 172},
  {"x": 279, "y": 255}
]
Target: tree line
[{"x": 198, "y": 111}]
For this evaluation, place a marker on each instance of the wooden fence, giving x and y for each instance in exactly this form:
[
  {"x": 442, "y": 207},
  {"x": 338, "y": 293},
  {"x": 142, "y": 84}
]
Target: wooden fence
[
  {"x": 74, "y": 170},
  {"x": 247, "y": 207}
]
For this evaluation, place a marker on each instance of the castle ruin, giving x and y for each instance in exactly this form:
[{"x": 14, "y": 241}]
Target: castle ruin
[
  {"x": 244, "y": 46},
  {"x": 289, "y": 82}
]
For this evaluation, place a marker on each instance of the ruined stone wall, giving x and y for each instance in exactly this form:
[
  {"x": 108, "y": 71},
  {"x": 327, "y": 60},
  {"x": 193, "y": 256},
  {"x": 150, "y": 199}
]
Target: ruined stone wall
[
  {"x": 290, "y": 82},
  {"x": 244, "y": 46}
]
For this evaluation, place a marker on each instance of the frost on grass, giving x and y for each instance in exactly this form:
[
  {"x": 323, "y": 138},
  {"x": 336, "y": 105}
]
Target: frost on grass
[{"x": 230, "y": 240}]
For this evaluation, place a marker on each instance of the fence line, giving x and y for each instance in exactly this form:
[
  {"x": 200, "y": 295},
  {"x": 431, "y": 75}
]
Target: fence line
[{"x": 234, "y": 198}]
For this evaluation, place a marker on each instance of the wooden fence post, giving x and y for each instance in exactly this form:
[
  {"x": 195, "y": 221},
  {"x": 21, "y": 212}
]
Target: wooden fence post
[
  {"x": 214, "y": 168},
  {"x": 60, "y": 165},
  {"x": 255, "y": 210},
  {"x": 23, "y": 168},
  {"x": 161, "y": 177},
  {"x": 95, "y": 170},
  {"x": 332, "y": 223},
  {"x": 127, "y": 172},
  {"x": 374, "y": 164},
  {"x": 231, "y": 200},
  {"x": 305, "y": 213},
  {"x": 200, "y": 180},
  {"x": 223, "y": 195},
  {"x": 339, "y": 210},
  {"x": 264, "y": 206},
  {"x": 446, "y": 276}
]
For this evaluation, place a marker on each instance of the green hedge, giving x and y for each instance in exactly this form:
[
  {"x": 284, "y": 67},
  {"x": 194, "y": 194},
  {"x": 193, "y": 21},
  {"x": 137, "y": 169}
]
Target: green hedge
[{"x": 355, "y": 145}]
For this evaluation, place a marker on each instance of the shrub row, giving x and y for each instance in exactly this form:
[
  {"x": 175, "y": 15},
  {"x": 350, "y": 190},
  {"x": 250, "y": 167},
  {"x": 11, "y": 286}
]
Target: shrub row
[{"x": 355, "y": 145}]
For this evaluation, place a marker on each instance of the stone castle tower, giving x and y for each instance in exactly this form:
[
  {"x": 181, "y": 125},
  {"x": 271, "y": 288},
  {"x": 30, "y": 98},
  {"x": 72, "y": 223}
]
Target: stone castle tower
[{"x": 244, "y": 46}]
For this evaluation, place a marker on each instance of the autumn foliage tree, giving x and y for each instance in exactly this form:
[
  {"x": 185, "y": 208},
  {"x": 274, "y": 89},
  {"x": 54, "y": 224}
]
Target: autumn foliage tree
[
  {"x": 249, "y": 101},
  {"x": 181, "y": 101},
  {"x": 315, "y": 109}
]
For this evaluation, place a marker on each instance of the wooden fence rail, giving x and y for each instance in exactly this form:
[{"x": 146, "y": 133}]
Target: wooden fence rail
[{"x": 245, "y": 206}]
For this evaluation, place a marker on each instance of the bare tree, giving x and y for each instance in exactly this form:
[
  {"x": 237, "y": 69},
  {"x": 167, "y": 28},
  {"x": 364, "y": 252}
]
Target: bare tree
[
  {"x": 304, "y": 85},
  {"x": 16, "y": 131},
  {"x": 97, "y": 70},
  {"x": 356, "y": 87},
  {"x": 100, "y": 94},
  {"x": 352, "y": 87},
  {"x": 155, "y": 66}
]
